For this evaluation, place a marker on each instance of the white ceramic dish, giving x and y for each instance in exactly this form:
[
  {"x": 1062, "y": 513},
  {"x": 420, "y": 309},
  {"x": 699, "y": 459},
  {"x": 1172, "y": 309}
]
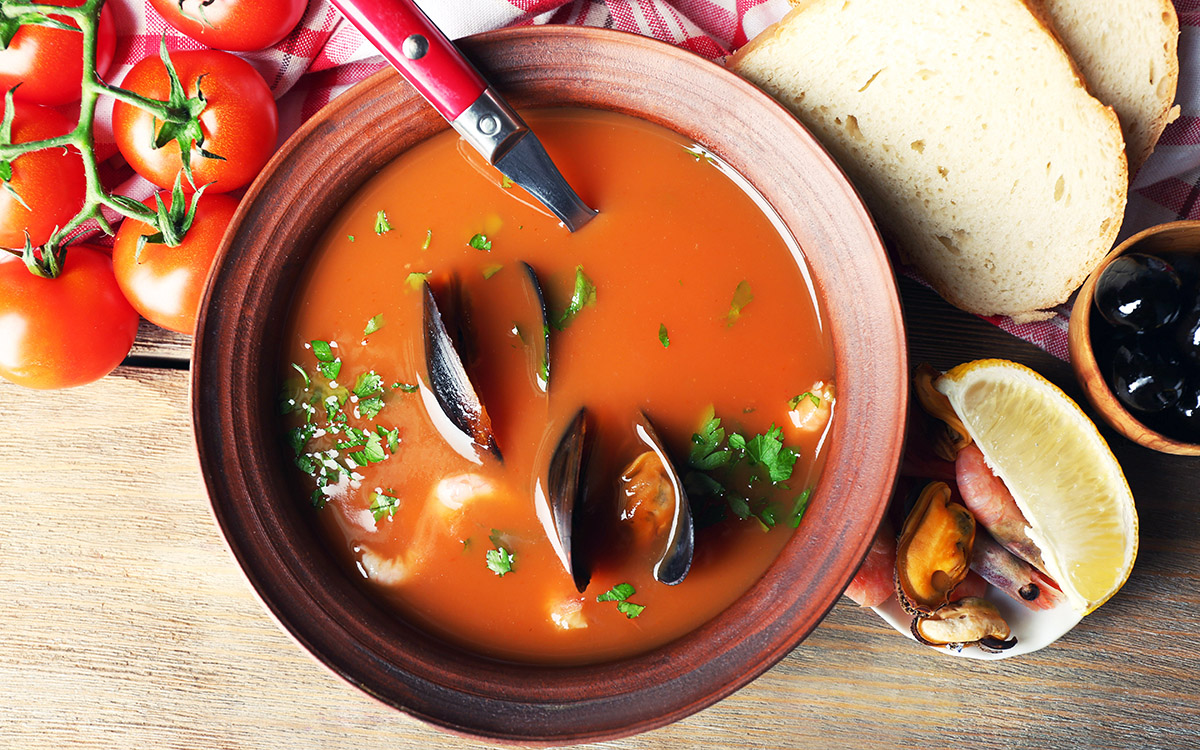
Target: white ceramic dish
[{"x": 1034, "y": 629}]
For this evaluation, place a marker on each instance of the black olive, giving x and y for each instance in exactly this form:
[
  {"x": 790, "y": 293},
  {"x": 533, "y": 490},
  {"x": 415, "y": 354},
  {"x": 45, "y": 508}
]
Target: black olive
[
  {"x": 1138, "y": 291},
  {"x": 1187, "y": 334},
  {"x": 1186, "y": 265},
  {"x": 1184, "y": 417},
  {"x": 1146, "y": 375}
]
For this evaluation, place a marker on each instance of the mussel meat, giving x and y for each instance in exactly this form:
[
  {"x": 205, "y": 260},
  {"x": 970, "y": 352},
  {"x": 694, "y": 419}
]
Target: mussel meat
[
  {"x": 952, "y": 435},
  {"x": 933, "y": 554},
  {"x": 966, "y": 622},
  {"x": 655, "y": 507},
  {"x": 448, "y": 380},
  {"x": 559, "y": 495}
]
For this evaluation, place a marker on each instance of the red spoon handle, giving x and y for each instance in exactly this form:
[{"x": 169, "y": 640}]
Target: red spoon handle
[{"x": 422, "y": 53}]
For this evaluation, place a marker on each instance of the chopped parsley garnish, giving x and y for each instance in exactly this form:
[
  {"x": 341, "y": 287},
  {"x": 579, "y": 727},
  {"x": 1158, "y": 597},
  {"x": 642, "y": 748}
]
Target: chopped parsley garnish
[
  {"x": 732, "y": 471},
  {"x": 382, "y": 226},
  {"x": 500, "y": 561},
  {"x": 742, "y": 296},
  {"x": 620, "y": 594},
  {"x": 390, "y": 437},
  {"x": 327, "y": 364},
  {"x": 505, "y": 182},
  {"x": 480, "y": 242},
  {"x": 584, "y": 295},
  {"x": 663, "y": 338},
  {"x": 384, "y": 504},
  {"x": 794, "y": 402},
  {"x": 371, "y": 452},
  {"x": 428, "y": 239},
  {"x": 368, "y": 383},
  {"x": 406, "y": 387},
  {"x": 373, "y": 325},
  {"x": 799, "y": 508},
  {"x": 492, "y": 270},
  {"x": 417, "y": 278},
  {"x": 350, "y": 237}
]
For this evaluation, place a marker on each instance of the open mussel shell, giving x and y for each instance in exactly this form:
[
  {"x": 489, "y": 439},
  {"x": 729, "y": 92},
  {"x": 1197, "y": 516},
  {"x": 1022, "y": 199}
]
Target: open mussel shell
[
  {"x": 543, "y": 365},
  {"x": 563, "y": 493},
  {"x": 655, "y": 505},
  {"x": 449, "y": 382},
  {"x": 933, "y": 554},
  {"x": 966, "y": 622}
]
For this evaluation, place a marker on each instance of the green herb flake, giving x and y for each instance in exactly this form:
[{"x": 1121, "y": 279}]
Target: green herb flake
[
  {"x": 428, "y": 239},
  {"x": 382, "y": 226},
  {"x": 406, "y": 387},
  {"x": 799, "y": 508},
  {"x": 480, "y": 242},
  {"x": 322, "y": 350},
  {"x": 618, "y": 593},
  {"x": 370, "y": 407},
  {"x": 500, "y": 561},
  {"x": 370, "y": 453},
  {"x": 794, "y": 402},
  {"x": 417, "y": 278},
  {"x": 742, "y": 296},
  {"x": 369, "y": 382},
  {"x": 505, "y": 182},
  {"x": 629, "y": 609},
  {"x": 350, "y": 237},
  {"x": 584, "y": 295},
  {"x": 768, "y": 516},
  {"x": 663, "y": 338},
  {"x": 303, "y": 374},
  {"x": 390, "y": 437},
  {"x": 707, "y": 453},
  {"x": 492, "y": 270},
  {"x": 383, "y": 504},
  {"x": 769, "y": 452},
  {"x": 373, "y": 325}
]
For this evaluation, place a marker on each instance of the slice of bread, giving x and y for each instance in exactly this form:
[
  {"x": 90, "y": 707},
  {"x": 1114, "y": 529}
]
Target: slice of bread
[
  {"x": 1128, "y": 53},
  {"x": 969, "y": 134}
]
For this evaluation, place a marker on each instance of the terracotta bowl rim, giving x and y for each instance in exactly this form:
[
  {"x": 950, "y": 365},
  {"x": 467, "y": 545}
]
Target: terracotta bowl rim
[
  {"x": 232, "y": 466},
  {"x": 1083, "y": 356}
]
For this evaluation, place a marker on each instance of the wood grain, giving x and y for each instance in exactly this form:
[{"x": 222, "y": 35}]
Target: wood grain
[{"x": 127, "y": 624}]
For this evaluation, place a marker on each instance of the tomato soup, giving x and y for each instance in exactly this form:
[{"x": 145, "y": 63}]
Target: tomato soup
[{"x": 679, "y": 305}]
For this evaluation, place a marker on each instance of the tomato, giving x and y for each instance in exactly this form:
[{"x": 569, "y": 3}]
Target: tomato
[
  {"x": 48, "y": 62},
  {"x": 67, "y": 331},
  {"x": 239, "y": 25},
  {"x": 239, "y": 121},
  {"x": 51, "y": 182},
  {"x": 167, "y": 283}
]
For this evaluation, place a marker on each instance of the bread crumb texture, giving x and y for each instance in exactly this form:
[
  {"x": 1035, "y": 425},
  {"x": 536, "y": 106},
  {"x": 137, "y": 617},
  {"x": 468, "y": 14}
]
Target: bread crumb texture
[{"x": 964, "y": 126}]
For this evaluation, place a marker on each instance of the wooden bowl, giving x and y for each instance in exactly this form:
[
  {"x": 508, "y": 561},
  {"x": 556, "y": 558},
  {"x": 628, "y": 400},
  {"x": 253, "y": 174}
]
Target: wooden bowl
[
  {"x": 1176, "y": 236},
  {"x": 269, "y": 532}
]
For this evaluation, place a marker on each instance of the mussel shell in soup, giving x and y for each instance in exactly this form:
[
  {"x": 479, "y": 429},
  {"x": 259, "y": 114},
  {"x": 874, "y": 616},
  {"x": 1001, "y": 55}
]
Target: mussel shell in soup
[{"x": 548, "y": 539}]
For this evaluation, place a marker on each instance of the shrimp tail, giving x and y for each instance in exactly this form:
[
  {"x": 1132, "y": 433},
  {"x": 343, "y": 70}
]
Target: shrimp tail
[{"x": 873, "y": 584}]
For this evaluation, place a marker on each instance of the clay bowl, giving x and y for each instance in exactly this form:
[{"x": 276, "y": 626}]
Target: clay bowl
[
  {"x": 270, "y": 532},
  {"x": 1176, "y": 236}
]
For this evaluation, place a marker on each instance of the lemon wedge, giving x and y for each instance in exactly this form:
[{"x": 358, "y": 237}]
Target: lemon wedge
[{"x": 1059, "y": 470}]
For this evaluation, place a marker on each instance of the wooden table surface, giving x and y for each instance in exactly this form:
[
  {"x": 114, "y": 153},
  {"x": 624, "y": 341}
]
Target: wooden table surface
[{"x": 127, "y": 624}]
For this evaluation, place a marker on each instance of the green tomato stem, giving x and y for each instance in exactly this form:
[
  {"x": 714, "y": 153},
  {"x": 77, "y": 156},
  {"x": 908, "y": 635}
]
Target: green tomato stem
[{"x": 87, "y": 17}]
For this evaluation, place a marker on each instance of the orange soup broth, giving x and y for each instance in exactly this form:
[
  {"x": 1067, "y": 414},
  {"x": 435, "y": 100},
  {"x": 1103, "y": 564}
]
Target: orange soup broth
[{"x": 673, "y": 239}]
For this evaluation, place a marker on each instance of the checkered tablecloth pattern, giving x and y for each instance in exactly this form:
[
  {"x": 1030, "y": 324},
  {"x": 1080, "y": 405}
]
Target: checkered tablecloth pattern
[{"x": 324, "y": 56}]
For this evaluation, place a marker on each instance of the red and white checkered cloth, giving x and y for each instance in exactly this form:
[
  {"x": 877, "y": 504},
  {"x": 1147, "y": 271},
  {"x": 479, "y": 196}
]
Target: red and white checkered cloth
[{"x": 324, "y": 56}]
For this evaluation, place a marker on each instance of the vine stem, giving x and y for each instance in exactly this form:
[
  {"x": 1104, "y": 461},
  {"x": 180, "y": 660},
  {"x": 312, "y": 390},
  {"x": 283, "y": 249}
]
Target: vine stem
[{"x": 87, "y": 17}]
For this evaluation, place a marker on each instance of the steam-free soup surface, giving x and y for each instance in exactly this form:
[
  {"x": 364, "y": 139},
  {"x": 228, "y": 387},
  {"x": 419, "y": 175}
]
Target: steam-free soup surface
[{"x": 699, "y": 308}]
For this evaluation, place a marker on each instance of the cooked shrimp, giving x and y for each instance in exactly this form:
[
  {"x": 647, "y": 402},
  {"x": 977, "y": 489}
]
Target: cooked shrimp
[
  {"x": 985, "y": 495},
  {"x": 874, "y": 582},
  {"x": 972, "y": 585},
  {"x": 1012, "y": 575}
]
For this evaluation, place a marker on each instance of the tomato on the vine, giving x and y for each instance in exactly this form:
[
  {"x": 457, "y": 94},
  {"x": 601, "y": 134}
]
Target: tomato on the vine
[
  {"x": 50, "y": 182},
  {"x": 238, "y": 25},
  {"x": 239, "y": 121},
  {"x": 66, "y": 331},
  {"x": 48, "y": 62},
  {"x": 165, "y": 284}
]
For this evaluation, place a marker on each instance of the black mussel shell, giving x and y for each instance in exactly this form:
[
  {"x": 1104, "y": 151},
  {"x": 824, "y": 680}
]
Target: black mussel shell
[
  {"x": 449, "y": 382},
  {"x": 543, "y": 370},
  {"x": 564, "y": 492},
  {"x": 674, "y": 560}
]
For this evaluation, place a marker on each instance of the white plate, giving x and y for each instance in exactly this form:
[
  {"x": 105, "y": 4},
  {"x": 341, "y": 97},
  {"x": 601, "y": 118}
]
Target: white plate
[{"x": 1034, "y": 629}]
